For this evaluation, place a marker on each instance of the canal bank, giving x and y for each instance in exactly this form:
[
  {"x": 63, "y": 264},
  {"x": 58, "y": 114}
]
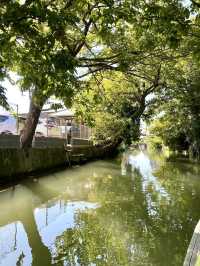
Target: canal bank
[{"x": 15, "y": 163}]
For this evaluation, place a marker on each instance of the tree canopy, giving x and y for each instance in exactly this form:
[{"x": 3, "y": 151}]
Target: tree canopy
[{"x": 109, "y": 56}]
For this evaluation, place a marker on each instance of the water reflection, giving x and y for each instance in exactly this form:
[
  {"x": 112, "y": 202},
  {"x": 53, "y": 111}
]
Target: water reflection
[
  {"x": 56, "y": 217},
  {"x": 93, "y": 215},
  {"x": 150, "y": 182},
  {"x": 14, "y": 246}
]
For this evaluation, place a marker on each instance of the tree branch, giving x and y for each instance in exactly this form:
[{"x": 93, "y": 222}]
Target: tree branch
[
  {"x": 79, "y": 45},
  {"x": 99, "y": 58},
  {"x": 95, "y": 70},
  {"x": 195, "y": 3}
]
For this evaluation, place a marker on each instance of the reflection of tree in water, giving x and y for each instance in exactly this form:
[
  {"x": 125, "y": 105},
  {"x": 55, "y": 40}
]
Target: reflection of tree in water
[
  {"x": 20, "y": 259},
  {"x": 103, "y": 236},
  {"x": 182, "y": 181},
  {"x": 124, "y": 232},
  {"x": 91, "y": 243}
]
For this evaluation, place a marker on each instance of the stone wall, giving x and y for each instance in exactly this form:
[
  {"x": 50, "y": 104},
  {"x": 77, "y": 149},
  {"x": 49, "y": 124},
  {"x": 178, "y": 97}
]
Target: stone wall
[
  {"x": 76, "y": 141},
  {"x": 9, "y": 141},
  {"x": 13, "y": 142},
  {"x": 16, "y": 163}
]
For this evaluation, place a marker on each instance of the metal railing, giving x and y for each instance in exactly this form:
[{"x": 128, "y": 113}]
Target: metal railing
[
  {"x": 81, "y": 131},
  {"x": 13, "y": 124}
]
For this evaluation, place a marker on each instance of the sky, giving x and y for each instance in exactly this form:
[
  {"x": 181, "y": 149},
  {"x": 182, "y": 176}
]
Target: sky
[
  {"x": 15, "y": 96},
  {"x": 187, "y": 2},
  {"x": 17, "y": 99}
]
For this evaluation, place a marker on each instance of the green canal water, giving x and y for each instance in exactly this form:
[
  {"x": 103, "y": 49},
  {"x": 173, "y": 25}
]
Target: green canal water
[{"x": 136, "y": 210}]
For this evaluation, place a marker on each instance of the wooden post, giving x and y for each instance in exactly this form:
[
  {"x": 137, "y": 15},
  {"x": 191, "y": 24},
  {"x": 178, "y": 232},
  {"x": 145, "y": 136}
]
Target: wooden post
[{"x": 193, "y": 252}]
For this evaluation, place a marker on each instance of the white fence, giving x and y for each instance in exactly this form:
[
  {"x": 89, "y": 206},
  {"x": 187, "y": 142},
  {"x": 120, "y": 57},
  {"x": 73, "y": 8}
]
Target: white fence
[
  {"x": 13, "y": 125},
  {"x": 81, "y": 132}
]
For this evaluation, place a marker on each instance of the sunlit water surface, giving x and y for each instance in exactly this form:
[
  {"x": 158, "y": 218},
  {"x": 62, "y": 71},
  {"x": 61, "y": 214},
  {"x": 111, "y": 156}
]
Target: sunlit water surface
[{"x": 135, "y": 210}]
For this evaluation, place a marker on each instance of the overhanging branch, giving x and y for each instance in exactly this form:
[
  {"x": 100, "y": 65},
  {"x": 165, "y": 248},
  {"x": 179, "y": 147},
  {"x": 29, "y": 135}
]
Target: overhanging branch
[{"x": 195, "y": 3}]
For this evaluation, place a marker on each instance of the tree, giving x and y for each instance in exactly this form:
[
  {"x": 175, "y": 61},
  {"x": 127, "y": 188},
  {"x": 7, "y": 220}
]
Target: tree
[
  {"x": 178, "y": 124},
  {"x": 113, "y": 106},
  {"x": 52, "y": 39}
]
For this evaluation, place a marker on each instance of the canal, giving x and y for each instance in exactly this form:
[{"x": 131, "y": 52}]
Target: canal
[{"x": 138, "y": 209}]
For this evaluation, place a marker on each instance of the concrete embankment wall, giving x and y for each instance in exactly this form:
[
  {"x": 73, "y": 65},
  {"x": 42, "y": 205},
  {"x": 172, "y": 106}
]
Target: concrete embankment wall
[{"x": 16, "y": 163}]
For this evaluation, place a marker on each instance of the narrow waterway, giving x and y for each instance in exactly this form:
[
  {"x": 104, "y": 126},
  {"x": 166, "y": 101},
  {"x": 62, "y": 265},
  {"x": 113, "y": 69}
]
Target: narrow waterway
[{"x": 136, "y": 210}]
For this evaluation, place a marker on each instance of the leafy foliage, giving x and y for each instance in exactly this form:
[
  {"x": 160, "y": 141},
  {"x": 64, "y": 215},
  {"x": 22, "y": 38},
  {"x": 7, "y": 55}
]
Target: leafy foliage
[
  {"x": 179, "y": 124},
  {"x": 114, "y": 105},
  {"x": 3, "y": 99},
  {"x": 53, "y": 45}
]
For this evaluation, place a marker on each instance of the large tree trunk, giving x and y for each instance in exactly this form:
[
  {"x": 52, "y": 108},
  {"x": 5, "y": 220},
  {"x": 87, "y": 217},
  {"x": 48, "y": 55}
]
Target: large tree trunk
[{"x": 31, "y": 123}]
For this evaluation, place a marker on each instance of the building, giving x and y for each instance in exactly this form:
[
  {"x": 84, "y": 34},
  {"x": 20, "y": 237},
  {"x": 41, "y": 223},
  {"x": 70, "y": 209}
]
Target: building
[{"x": 58, "y": 124}]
